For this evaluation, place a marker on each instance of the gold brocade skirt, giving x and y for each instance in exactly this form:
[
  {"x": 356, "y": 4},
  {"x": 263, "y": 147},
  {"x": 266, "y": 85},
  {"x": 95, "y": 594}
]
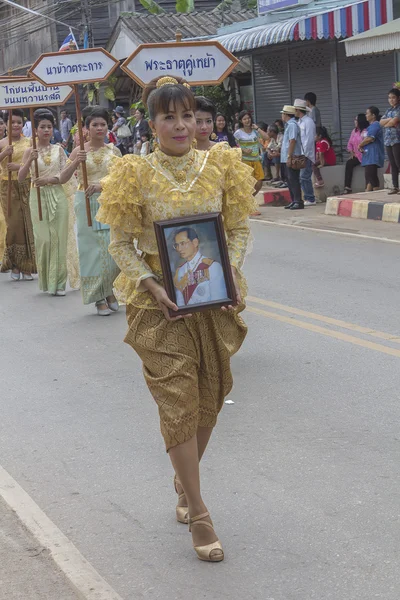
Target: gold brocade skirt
[{"x": 186, "y": 365}]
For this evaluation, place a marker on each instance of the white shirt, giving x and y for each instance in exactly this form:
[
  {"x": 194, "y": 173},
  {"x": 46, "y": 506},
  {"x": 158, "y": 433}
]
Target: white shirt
[
  {"x": 307, "y": 131},
  {"x": 211, "y": 290},
  {"x": 27, "y": 129}
]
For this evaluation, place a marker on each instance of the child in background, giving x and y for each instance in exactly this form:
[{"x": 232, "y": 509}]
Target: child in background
[
  {"x": 145, "y": 147},
  {"x": 325, "y": 155}
]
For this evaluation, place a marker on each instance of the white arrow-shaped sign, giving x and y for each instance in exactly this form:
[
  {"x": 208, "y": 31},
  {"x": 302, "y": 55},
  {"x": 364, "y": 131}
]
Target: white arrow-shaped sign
[
  {"x": 17, "y": 93},
  {"x": 200, "y": 63},
  {"x": 78, "y": 66}
]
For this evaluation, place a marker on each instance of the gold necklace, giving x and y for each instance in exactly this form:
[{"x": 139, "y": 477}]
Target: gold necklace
[
  {"x": 46, "y": 155},
  {"x": 179, "y": 169},
  {"x": 97, "y": 155}
]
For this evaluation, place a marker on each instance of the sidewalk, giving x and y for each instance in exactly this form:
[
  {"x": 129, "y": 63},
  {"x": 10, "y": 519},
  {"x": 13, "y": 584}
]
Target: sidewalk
[
  {"x": 314, "y": 217},
  {"x": 27, "y": 572}
]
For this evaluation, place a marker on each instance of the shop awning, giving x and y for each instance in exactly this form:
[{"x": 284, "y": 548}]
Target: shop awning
[
  {"x": 340, "y": 23},
  {"x": 380, "y": 39}
]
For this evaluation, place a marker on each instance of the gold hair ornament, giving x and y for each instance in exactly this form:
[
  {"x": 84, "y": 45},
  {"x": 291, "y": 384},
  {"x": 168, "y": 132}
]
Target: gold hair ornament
[{"x": 169, "y": 81}]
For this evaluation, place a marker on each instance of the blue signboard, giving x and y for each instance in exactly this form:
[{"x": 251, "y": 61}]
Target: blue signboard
[{"x": 265, "y": 6}]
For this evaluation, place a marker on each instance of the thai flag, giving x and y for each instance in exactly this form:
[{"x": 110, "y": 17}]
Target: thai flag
[{"x": 65, "y": 46}]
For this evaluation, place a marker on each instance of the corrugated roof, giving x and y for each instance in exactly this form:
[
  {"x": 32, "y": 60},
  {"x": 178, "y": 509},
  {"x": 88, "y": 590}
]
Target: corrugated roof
[
  {"x": 162, "y": 28},
  {"x": 380, "y": 39}
]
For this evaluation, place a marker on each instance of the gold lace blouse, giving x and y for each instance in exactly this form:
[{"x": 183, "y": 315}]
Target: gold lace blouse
[
  {"x": 141, "y": 190},
  {"x": 19, "y": 148},
  {"x": 51, "y": 162},
  {"x": 97, "y": 164}
]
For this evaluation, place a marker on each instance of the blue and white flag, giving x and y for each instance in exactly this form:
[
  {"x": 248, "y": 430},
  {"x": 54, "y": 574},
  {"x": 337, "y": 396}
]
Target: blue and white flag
[{"x": 65, "y": 46}]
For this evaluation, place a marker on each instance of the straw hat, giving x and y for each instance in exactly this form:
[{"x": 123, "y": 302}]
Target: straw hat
[
  {"x": 301, "y": 104},
  {"x": 288, "y": 110}
]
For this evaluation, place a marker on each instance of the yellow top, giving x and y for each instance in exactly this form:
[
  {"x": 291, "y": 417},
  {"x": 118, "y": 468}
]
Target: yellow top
[
  {"x": 97, "y": 163},
  {"x": 141, "y": 190},
  {"x": 19, "y": 148}
]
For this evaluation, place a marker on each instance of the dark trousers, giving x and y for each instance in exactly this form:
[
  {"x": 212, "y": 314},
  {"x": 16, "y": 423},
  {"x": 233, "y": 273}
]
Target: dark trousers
[
  {"x": 348, "y": 176},
  {"x": 393, "y": 153},
  {"x": 293, "y": 181},
  {"x": 371, "y": 175},
  {"x": 283, "y": 171}
]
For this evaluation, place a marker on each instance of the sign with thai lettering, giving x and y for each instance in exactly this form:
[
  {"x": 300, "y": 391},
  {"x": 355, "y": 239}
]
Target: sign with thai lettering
[
  {"x": 17, "y": 93},
  {"x": 265, "y": 6},
  {"x": 77, "y": 66},
  {"x": 200, "y": 63}
]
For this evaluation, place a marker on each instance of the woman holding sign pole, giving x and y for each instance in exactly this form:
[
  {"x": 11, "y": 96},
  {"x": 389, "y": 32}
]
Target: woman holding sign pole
[
  {"x": 186, "y": 360},
  {"x": 51, "y": 234},
  {"x": 98, "y": 269},
  {"x": 19, "y": 255}
]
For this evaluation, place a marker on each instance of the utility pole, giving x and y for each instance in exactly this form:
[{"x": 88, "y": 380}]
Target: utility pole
[{"x": 87, "y": 20}]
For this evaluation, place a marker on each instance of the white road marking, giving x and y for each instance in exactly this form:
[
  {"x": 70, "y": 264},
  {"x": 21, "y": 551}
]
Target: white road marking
[
  {"x": 80, "y": 573},
  {"x": 305, "y": 228}
]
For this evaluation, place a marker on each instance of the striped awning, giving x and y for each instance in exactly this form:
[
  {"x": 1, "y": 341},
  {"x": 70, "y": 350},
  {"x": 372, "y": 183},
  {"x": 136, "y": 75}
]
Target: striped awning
[{"x": 340, "y": 23}]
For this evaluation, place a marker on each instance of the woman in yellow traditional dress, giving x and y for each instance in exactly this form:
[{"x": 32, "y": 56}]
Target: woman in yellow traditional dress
[
  {"x": 51, "y": 233},
  {"x": 186, "y": 360},
  {"x": 97, "y": 269},
  {"x": 3, "y": 227},
  {"x": 19, "y": 254}
]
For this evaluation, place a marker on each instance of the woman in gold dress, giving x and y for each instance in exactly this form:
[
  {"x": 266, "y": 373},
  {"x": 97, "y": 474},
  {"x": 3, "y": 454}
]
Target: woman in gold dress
[
  {"x": 3, "y": 227},
  {"x": 19, "y": 254},
  {"x": 186, "y": 360},
  {"x": 97, "y": 268}
]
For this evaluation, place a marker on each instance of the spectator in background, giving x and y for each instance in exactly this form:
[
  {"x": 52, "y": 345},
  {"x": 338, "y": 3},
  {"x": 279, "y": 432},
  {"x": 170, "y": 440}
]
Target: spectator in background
[
  {"x": 372, "y": 149},
  {"x": 121, "y": 130},
  {"x": 311, "y": 100},
  {"x": 205, "y": 116},
  {"x": 56, "y": 137},
  {"x": 27, "y": 129},
  {"x": 140, "y": 128},
  {"x": 360, "y": 125},
  {"x": 307, "y": 131},
  {"x": 222, "y": 132},
  {"x": 279, "y": 124},
  {"x": 291, "y": 146},
  {"x": 273, "y": 153},
  {"x": 391, "y": 135},
  {"x": 65, "y": 126},
  {"x": 325, "y": 154},
  {"x": 145, "y": 147}
]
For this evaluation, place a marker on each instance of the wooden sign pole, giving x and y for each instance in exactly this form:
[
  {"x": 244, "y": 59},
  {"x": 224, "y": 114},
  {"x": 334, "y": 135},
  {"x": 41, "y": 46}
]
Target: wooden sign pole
[
  {"x": 36, "y": 163},
  {"x": 9, "y": 189},
  {"x": 82, "y": 147}
]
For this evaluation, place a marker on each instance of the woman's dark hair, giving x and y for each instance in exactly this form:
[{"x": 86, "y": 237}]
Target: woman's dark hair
[
  {"x": 158, "y": 100},
  {"x": 273, "y": 128},
  {"x": 225, "y": 129},
  {"x": 395, "y": 92},
  {"x": 323, "y": 132},
  {"x": 263, "y": 126},
  {"x": 375, "y": 111},
  {"x": 242, "y": 114},
  {"x": 141, "y": 110},
  {"x": 279, "y": 124},
  {"x": 206, "y": 105},
  {"x": 96, "y": 113},
  {"x": 87, "y": 111},
  {"x": 16, "y": 112},
  {"x": 311, "y": 97},
  {"x": 43, "y": 114},
  {"x": 362, "y": 122}
]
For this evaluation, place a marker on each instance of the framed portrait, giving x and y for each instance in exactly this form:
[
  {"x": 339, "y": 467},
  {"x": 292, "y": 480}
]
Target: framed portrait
[{"x": 195, "y": 262}]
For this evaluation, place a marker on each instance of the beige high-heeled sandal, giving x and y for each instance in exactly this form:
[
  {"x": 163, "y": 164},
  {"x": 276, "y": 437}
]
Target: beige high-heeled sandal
[
  {"x": 211, "y": 552},
  {"x": 182, "y": 512}
]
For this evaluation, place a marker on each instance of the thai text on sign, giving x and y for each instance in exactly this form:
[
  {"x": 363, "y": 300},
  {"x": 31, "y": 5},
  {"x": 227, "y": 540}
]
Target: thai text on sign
[{"x": 22, "y": 93}]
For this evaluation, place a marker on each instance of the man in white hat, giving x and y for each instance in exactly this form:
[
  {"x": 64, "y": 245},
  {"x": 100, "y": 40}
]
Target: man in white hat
[
  {"x": 307, "y": 130},
  {"x": 291, "y": 145}
]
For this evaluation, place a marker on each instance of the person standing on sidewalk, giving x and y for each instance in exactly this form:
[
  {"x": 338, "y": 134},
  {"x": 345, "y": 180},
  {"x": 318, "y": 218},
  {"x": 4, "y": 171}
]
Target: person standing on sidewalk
[
  {"x": 307, "y": 131},
  {"x": 356, "y": 136},
  {"x": 291, "y": 146},
  {"x": 311, "y": 102},
  {"x": 391, "y": 136},
  {"x": 372, "y": 148}
]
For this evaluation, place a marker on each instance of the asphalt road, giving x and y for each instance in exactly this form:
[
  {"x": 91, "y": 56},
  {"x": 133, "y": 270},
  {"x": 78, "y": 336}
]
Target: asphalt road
[{"x": 302, "y": 474}]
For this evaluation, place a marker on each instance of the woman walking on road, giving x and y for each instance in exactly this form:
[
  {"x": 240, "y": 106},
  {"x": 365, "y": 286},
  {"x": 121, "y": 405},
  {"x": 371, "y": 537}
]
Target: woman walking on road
[
  {"x": 19, "y": 254},
  {"x": 372, "y": 149},
  {"x": 98, "y": 270},
  {"x": 51, "y": 234},
  {"x": 391, "y": 135},
  {"x": 186, "y": 360}
]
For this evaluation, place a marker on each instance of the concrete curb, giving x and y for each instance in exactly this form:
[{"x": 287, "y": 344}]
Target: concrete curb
[
  {"x": 275, "y": 197},
  {"x": 363, "y": 209}
]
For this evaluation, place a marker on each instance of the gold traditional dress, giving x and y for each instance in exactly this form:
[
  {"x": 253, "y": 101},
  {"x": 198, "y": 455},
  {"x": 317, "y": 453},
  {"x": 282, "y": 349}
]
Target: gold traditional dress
[
  {"x": 97, "y": 268},
  {"x": 51, "y": 233},
  {"x": 186, "y": 362},
  {"x": 20, "y": 247}
]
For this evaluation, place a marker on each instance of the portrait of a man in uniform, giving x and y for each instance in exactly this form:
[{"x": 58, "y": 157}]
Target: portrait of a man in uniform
[{"x": 198, "y": 279}]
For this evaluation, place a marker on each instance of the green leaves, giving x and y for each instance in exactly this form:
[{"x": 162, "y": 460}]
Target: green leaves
[
  {"x": 184, "y": 6},
  {"x": 152, "y": 7}
]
